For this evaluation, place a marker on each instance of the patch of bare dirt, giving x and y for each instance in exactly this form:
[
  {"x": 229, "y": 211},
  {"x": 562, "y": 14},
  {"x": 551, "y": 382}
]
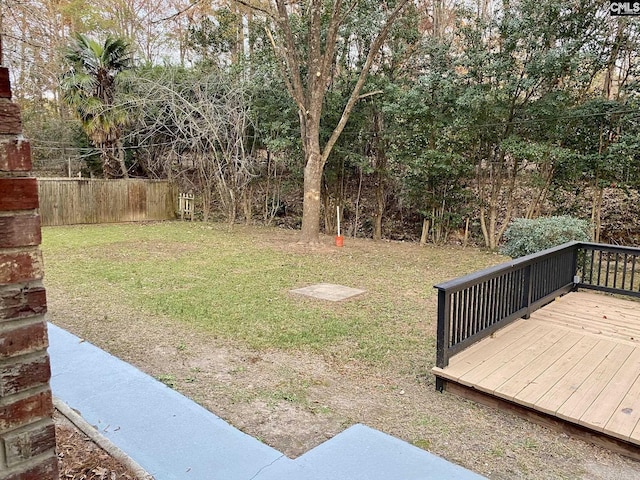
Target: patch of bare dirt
[{"x": 294, "y": 401}]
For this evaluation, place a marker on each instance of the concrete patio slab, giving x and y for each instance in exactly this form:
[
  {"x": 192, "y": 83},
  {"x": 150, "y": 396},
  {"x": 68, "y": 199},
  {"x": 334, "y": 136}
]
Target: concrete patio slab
[
  {"x": 362, "y": 453},
  {"x": 169, "y": 435},
  {"x": 173, "y": 438},
  {"x": 328, "y": 291}
]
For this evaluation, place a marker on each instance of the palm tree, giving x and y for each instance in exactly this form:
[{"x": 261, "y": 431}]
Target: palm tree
[{"x": 89, "y": 87}]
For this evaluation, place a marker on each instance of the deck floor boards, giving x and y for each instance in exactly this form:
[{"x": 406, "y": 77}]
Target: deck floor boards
[{"x": 576, "y": 359}]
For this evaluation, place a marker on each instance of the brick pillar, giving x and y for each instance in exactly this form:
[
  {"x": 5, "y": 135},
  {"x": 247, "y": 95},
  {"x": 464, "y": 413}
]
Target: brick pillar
[{"x": 27, "y": 435}]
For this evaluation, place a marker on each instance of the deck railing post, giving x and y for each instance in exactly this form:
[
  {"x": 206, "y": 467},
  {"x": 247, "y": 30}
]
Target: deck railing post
[
  {"x": 442, "y": 337},
  {"x": 574, "y": 266}
]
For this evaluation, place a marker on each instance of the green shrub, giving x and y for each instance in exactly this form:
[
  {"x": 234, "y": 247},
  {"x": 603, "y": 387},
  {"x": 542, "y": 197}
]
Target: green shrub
[{"x": 525, "y": 236}]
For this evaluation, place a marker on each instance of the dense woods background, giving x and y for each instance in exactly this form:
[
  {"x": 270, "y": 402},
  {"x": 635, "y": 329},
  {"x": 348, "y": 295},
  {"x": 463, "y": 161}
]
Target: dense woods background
[{"x": 470, "y": 114}]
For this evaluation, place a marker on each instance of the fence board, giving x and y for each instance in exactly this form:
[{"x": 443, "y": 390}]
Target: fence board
[{"x": 68, "y": 201}]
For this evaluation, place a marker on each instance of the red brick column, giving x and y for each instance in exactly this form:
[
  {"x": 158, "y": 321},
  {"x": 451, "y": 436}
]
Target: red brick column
[{"x": 27, "y": 435}]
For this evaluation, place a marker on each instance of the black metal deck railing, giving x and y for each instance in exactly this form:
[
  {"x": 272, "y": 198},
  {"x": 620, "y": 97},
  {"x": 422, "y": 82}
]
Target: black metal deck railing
[
  {"x": 473, "y": 307},
  {"x": 609, "y": 268}
]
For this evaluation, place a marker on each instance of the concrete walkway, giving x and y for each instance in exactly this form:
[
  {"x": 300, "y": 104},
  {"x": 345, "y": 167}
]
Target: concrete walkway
[{"x": 173, "y": 438}]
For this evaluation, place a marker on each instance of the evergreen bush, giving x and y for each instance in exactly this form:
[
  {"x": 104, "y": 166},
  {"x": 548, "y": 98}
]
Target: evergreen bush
[{"x": 526, "y": 236}]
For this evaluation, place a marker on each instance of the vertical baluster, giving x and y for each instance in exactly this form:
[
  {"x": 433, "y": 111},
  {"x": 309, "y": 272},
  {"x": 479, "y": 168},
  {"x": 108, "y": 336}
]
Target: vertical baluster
[
  {"x": 599, "y": 266},
  {"x": 456, "y": 320},
  {"x": 457, "y": 314},
  {"x": 633, "y": 272},
  {"x": 558, "y": 266},
  {"x": 474, "y": 306},
  {"x": 526, "y": 290},
  {"x": 537, "y": 269},
  {"x": 498, "y": 312},
  {"x": 469, "y": 311},
  {"x": 532, "y": 282},
  {"x": 479, "y": 296},
  {"x": 510, "y": 292},
  {"x": 461, "y": 317},
  {"x": 624, "y": 271},
  {"x": 518, "y": 291},
  {"x": 615, "y": 271},
  {"x": 472, "y": 309},
  {"x": 606, "y": 276},
  {"x": 492, "y": 302},
  {"x": 507, "y": 295},
  {"x": 499, "y": 295},
  {"x": 517, "y": 300},
  {"x": 487, "y": 301},
  {"x": 503, "y": 294},
  {"x": 593, "y": 254},
  {"x": 465, "y": 318}
]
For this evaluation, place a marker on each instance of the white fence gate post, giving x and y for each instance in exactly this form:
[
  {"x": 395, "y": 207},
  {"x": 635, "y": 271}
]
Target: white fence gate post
[{"x": 185, "y": 207}]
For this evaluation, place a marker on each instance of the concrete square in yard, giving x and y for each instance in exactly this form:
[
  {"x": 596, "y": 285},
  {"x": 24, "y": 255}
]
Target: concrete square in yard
[{"x": 328, "y": 291}]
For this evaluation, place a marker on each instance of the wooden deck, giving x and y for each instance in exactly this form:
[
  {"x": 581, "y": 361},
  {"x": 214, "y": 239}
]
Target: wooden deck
[{"x": 576, "y": 360}]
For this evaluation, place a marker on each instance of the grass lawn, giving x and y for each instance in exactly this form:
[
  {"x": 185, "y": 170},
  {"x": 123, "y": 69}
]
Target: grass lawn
[
  {"x": 236, "y": 284},
  {"x": 209, "y": 312}
]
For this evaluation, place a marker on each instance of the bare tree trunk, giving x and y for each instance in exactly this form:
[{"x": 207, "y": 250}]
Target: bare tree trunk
[
  {"x": 110, "y": 160},
  {"x": 424, "y": 237},
  {"x": 381, "y": 172},
  {"x": 311, "y": 203},
  {"x": 206, "y": 202},
  {"x": 596, "y": 213},
  {"x": 121, "y": 162},
  {"x": 247, "y": 197},
  {"x": 233, "y": 209},
  {"x": 466, "y": 233},
  {"x": 611, "y": 63},
  {"x": 356, "y": 221},
  {"x": 483, "y": 225}
]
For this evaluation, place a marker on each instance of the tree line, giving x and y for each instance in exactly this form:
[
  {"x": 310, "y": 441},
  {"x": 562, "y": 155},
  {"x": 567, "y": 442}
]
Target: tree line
[{"x": 430, "y": 117}]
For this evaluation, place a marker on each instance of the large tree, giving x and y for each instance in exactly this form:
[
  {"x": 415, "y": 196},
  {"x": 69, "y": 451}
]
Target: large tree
[
  {"x": 306, "y": 37},
  {"x": 89, "y": 87}
]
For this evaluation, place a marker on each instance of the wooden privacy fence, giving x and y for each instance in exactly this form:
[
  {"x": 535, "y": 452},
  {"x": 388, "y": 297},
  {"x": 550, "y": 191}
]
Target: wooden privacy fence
[{"x": 68, "y": 201}]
